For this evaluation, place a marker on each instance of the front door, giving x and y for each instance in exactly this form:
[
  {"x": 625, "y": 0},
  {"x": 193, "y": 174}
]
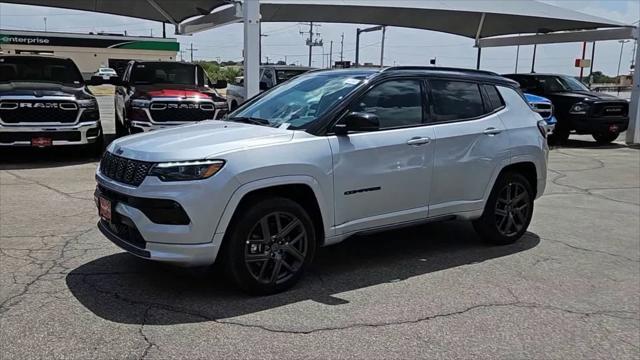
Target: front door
[{"x": 383, "y": 177}]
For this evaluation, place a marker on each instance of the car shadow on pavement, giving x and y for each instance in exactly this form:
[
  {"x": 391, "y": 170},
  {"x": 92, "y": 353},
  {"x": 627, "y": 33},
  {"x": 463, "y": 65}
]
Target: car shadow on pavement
[
  {"x": 122, "y": 288},
  {"x": 17, "y": 158}
]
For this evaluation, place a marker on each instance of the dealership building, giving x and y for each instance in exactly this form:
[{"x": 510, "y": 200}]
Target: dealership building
[{"x": 89, "y": 51}]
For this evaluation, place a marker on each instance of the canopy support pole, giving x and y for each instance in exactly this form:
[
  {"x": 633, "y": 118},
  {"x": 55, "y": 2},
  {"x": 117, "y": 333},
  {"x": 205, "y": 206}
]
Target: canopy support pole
[
  {"x": 162, "y": 12},
  {"x": 251, "y": 20},
  {"x": 478, "y": 40},
  {"x": 633, "y": 132}
]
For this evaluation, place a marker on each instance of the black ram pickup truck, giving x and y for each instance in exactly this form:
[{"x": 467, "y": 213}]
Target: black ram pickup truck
[
  {"x": 578, "y": 109},
  {"x": 44, "y": 101},
  {"x": 153, "y": 95}
]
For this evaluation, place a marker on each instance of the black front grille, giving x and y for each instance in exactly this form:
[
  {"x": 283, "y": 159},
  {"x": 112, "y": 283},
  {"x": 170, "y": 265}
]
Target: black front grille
[
  {"x": 613, "y": 109},
  {"x": 545, "y": 110},
  {"x": 165, "y": 111},
  {"x": 127, "y": 171},
  {"x": 38, "y": 111},
  {"x": 10, "y": 137}
]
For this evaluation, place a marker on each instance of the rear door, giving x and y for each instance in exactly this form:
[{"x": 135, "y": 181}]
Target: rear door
[
  {"x": 470, "y": 145},
  {"x": 383, "y": 177}
]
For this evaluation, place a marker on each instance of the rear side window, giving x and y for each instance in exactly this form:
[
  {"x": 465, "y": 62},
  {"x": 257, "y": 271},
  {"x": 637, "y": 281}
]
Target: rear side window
[
  {"x": 397, "y": 103},
  {"x": 455, "y": 100},
  {"x": 495, "y": 100}
]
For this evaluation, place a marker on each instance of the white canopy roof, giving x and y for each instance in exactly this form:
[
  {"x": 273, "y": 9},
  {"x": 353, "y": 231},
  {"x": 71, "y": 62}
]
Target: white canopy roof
[
  {"x": 173, "y": 11},
  {"x": 460, "y": 17}
]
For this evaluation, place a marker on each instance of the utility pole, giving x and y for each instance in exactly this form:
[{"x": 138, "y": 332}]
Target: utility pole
[
  {"x": 593, "y": 55},
  {"x": 342, "y": 47},
  {"x": 517, "y": 56},
  {"x": 151, "y": 31},
  {"x": 311, "y": 42},
  {"x": 45, "y": 23},
  {"x": 330, "y": 54},
  {"x": 260, "y": 42},
  {"x": 191, "y": 49},
  {"x": 164, "y": 30}
]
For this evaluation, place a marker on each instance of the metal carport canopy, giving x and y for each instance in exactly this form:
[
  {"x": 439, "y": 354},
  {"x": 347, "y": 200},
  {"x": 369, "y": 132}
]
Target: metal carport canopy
[
  {"x": 460, "y": 17},
  {"x": 172, "y": 11}
]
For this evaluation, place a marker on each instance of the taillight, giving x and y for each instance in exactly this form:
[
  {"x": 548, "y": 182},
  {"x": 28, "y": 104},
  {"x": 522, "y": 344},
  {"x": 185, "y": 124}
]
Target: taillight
[{"x": 542, "y": 127}]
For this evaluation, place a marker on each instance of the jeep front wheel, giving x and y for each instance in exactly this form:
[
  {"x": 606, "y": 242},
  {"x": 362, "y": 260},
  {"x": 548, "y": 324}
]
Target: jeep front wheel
[{"x": 270, "y": 244}]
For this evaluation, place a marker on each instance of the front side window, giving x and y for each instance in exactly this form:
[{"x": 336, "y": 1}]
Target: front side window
[
  {"x": 397, "y": 103},
  {"x": 299, "y": 102},
  {"x": 163, "y": 73},
  {"x": 455, "y": 100}
]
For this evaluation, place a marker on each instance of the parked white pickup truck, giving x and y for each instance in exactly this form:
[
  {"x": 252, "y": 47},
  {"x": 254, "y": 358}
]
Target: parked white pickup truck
[{"x": 270, "y": 76}]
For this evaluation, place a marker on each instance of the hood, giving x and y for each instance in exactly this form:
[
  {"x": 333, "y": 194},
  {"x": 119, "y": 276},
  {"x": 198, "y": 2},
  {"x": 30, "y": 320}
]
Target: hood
[
  {"x": 590, "y": 95},
  {"x": 173, "y": 90},
  {"x": 36, "y": 88},
  {"x": 206, "y": 139},
  {"x": 536, "y": 99}
]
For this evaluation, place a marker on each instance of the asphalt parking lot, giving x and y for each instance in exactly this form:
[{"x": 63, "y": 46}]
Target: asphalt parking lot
[{"x": 568, "y": 289}]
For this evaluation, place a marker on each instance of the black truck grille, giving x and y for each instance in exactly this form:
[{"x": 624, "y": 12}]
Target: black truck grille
[
  {"x": 181, "y": 111},
  {"x": 38, "y": 111},
  {"x": 127, "y": 171},
  {"x": 613, "y": 109}
]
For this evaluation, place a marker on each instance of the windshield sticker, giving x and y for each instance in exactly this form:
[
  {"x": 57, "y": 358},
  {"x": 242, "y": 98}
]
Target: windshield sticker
[{"x": 352, "y": 81}]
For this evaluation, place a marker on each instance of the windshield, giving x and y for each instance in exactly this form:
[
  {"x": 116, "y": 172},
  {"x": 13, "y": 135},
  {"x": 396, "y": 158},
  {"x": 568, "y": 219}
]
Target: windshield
[
  {"x": 62, "y": 71},
  {"x": 163, "y": 73},
  {"x": 299, "y": 102},
  {"x": 562, "y": 83}
]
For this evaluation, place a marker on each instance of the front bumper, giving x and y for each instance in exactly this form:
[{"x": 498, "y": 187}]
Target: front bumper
[
  {"x": 77, "y": 134},
  {"x": 583, "y": 124},
  {"x": 192, "y": 243}
]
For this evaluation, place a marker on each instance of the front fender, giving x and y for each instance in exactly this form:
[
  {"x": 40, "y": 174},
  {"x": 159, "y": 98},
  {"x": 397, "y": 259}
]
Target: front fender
[{"x": 240, "y": 192}]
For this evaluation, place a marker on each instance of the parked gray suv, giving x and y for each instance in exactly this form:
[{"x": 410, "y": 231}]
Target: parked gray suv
[{"x": 322, "y": 157}]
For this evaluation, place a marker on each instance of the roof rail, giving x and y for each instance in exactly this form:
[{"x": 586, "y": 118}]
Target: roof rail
[{"x": 440, "y": 68}]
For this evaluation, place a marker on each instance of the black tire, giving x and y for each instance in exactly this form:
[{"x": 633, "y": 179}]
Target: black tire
[
  {"x": 503, "y": 222},
  {"x": 260, "y": 263},
  {"x": 121, "y": 130},
  {"x": 559, "y": 136},
  {"x": 606, "y": 137},
  {"x": 96, "y": 148}
]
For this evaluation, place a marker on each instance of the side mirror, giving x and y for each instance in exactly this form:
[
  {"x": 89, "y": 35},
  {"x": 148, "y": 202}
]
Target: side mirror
[
  {"x": 357, "y": 121},
  {"x": 220, "y": 84},
  {"x": 264, "y": 86}
]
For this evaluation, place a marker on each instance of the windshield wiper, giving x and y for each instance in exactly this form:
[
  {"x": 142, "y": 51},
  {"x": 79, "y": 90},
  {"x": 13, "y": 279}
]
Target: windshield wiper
[{"x": 250, "y": 120}]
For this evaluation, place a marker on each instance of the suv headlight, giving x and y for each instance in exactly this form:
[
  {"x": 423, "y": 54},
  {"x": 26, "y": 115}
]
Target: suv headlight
[
  {"x": 579, "y": 108},
  {"x": 88, "y": 104},
  {"x": 139, "y": 103},
  {"x": 186, "y": 170}
]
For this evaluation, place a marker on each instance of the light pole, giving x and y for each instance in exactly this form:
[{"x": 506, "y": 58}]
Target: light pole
[
  {"x": 622, "y": 42},
  {"x": 45, "y": 24},
  {"x": 360, "y": 31}
]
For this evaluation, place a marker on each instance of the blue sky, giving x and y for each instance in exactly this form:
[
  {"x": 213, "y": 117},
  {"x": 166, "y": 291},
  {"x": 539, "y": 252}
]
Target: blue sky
[{"x": 403, "y": 46}]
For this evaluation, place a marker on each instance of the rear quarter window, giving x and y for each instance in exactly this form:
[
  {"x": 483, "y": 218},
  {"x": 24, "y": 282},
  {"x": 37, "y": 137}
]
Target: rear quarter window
[{"x": 455, "y": 100}]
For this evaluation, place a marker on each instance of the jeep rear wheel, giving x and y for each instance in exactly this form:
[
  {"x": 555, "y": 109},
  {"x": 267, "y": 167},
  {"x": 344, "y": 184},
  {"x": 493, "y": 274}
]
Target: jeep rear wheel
[
  {"x": 508, "y": 211},
  {"x": 606, "y": 137},
  {"x": 269, "y": 245}
]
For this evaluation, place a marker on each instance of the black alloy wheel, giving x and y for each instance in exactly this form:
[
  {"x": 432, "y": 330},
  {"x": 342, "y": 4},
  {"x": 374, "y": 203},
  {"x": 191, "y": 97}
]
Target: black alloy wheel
[
  {"x": 512, "y": 209},
  {"x": 276, "y": 248}
]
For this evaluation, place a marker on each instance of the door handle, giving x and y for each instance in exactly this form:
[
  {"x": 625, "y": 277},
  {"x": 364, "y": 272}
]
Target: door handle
[
  {"x": 491, "y": 131},
  {"x": 417, "y": 141}
]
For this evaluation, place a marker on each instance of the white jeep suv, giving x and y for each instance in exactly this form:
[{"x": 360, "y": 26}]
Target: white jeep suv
[{"x": 322, "y": 157}]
